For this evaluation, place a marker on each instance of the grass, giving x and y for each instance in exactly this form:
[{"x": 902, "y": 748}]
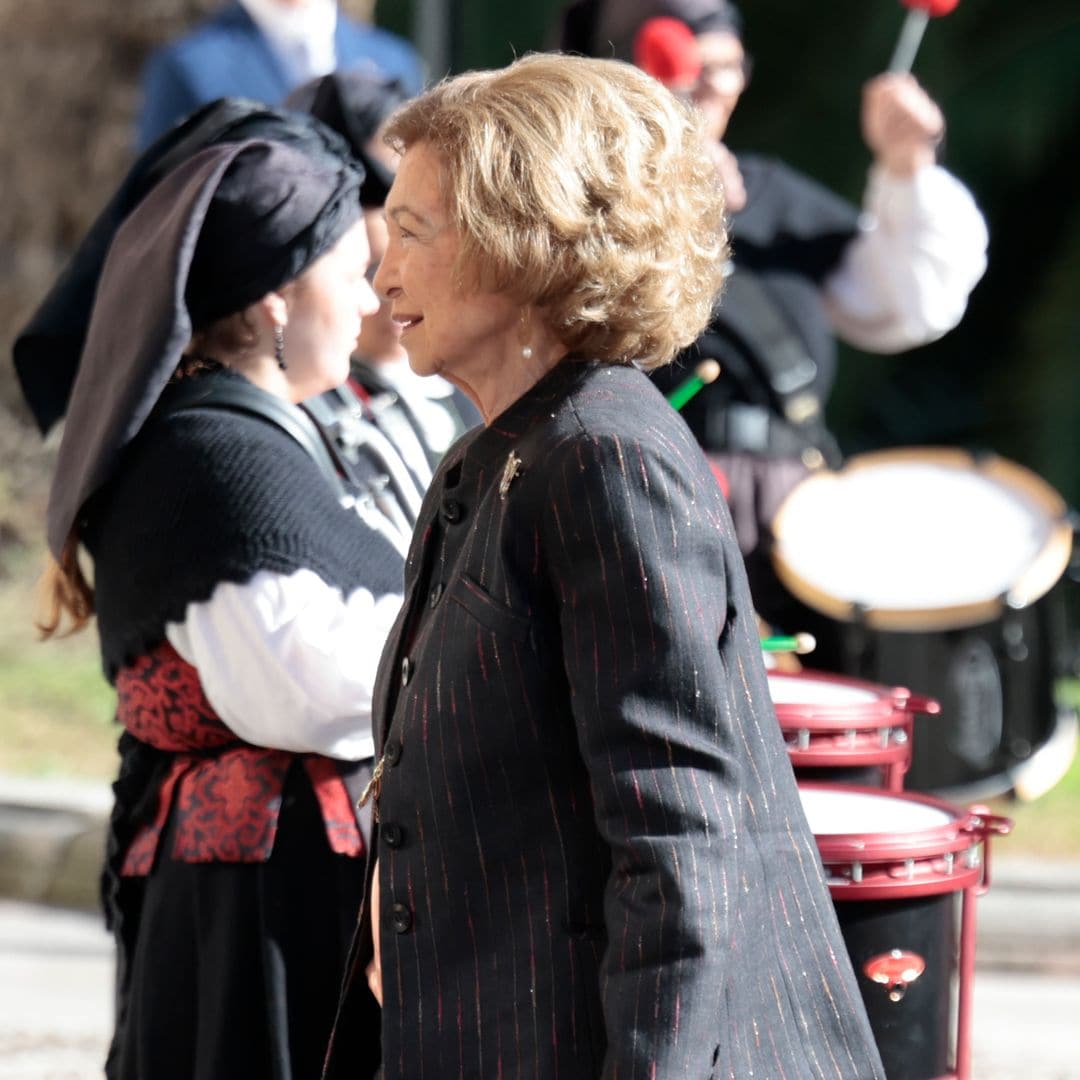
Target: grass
[
  {"x": 56, "y": 709},
  {"x": 1050, "y": 825}
]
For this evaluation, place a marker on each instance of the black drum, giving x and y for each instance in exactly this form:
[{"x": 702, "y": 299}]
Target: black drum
[
  {"x": 904, "y": 881},
  {"x": 942, "y": 572}
]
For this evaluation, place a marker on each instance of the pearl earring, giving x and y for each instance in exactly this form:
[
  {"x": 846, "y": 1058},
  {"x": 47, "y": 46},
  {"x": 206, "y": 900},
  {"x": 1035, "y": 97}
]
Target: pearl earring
[{"x": 526, "y": 349}]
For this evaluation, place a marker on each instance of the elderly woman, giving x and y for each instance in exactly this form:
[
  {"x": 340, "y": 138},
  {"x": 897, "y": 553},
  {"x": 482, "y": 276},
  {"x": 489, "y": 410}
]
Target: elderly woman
[
  {"x": 591, "y": 854},
  {"x": 391, "y": 426},
  {"x": 240, "y": 606}
]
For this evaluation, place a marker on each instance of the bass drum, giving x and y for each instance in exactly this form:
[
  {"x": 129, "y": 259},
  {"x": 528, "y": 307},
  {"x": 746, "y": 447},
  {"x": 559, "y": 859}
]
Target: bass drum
[{"x": 937, "y": 570}]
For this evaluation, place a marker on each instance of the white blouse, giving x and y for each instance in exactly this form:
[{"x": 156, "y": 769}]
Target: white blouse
[
  {"x": 906, "y": 277},
  {"x": 287, "y": 662}
]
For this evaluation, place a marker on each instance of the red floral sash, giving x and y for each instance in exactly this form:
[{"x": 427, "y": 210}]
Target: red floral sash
[{"x": 224, "y": 793}]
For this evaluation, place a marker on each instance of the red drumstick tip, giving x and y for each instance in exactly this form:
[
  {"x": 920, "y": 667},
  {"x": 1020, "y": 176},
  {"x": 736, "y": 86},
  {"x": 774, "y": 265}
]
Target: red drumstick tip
[
  {"x": 933, "y": 8},
  {"x": 666, "y": 49}
]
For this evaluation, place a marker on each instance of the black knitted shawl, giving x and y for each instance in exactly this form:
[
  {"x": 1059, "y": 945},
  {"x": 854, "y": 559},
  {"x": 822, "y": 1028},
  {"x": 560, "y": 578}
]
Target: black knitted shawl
[{"x": 209, "y": 496}]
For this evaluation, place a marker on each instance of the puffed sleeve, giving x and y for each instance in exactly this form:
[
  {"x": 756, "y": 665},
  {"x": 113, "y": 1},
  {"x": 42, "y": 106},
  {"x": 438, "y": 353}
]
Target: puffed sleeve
[
  {"x": 289, "y": 662},
  {"x": 641, "y": 552},
  {"x": 905, "y": 279}
]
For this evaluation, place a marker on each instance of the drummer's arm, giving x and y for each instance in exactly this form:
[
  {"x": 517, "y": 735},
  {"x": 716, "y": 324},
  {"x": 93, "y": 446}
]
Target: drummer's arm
[{"x": 921, "y": 248}]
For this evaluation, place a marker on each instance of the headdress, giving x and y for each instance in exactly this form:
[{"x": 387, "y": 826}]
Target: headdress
[
  {"x": 225, "y": 227},
  {"x": 354, "y": 104},
  {"x": 47, "y": 349}
]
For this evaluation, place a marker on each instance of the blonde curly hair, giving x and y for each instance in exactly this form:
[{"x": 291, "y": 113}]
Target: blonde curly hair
[{"x": 586, "y": 188}]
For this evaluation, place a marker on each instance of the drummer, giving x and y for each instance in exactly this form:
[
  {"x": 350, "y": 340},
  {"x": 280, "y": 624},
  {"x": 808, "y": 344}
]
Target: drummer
[{"x": 807, "y": 265}]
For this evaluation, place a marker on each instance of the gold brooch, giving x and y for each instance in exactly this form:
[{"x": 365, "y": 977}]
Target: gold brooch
[{"x": 510, "y": 470}]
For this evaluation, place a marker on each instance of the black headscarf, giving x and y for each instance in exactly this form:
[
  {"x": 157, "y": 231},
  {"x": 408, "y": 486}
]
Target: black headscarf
[
  {"x": 47, "y": 350},
  {"x": 354, "y": 104},
  {"x": 217, "y": 233}
]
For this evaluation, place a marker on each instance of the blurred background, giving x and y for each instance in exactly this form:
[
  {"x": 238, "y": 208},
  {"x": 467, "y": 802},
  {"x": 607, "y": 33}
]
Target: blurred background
[{"x": 1007, "y": 380}]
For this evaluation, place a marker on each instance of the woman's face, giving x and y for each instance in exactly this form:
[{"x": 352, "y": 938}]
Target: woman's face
[
  {"x": 722, "y": 79},
  {"x": 463, "y": 335},
  {"x": 325, "y": 307},
  {"x": 380, "y": 336}
]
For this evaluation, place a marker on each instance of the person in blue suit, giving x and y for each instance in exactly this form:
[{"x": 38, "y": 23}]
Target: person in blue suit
[{"x": 263, "y": 49}]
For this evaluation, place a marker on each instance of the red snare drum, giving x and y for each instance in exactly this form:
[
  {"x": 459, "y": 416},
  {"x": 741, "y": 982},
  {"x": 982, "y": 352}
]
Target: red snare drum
[
  {"x": 857, "y": 730},
  {"x": 903, "y": 871}
]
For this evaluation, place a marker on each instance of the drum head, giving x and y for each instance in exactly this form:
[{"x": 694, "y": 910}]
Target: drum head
[
  {"x": 847, "y": 812},
  {"x": 824, "y": 691},
  {"x": 921, "y": 539}
]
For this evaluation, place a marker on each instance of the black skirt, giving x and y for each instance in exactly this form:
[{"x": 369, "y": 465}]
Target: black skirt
[{"x": 233, "y": 970}]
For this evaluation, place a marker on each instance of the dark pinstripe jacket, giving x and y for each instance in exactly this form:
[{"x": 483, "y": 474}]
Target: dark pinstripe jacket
[{"x": 593, "y": 858}]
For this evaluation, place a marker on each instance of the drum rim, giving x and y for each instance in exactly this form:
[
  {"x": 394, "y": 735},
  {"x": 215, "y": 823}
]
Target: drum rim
[
  {"x": 956, "y": 834},
  {"x": 1038, "y": 579},
  {"x": 889, "y": 704}
]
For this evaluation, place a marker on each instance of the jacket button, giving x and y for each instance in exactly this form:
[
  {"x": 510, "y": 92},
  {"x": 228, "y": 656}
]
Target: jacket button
[
  {"x": 436, "y": 594},
  {"x": 392, "y": 752},
  {"x": 392, "y": 833},
  {"x": 400, "y": 919},
  {"x": 452, "y": 511},
  {"x": 406, "y": 671}
]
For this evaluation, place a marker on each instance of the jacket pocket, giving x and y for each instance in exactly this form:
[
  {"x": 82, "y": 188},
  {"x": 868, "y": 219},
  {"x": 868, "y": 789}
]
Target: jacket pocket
[{"x": 490, "y": 613}]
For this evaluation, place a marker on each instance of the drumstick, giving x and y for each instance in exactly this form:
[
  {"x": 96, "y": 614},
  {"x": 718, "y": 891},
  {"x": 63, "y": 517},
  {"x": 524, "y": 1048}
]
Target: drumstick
[
  {"x": 911, "y": 33},
  {"x": 800, "y": 644},
  {"x": 705, "y": 373}
]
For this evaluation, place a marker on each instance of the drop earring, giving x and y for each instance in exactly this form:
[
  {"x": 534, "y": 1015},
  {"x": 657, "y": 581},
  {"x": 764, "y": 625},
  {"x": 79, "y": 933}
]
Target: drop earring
[
  {"x": 279, "y": 345},
  {"x": 526, "y": 349}
]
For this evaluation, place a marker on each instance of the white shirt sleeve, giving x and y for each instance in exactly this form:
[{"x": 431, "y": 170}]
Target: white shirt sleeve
[
  {"x": 286, "y": 662},
  {"x": 906, "y": 278}
]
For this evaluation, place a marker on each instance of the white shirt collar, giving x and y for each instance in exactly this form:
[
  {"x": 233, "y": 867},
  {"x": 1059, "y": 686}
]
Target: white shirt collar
[{"x": 303, "y": 36}]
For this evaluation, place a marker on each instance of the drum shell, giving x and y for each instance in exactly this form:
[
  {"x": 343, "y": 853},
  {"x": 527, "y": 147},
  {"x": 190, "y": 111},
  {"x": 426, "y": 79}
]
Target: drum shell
[
  {"x": 898, "y": 869},
  {"x": 994, "y": 681},
  {"x": 913, "y": 1034}
]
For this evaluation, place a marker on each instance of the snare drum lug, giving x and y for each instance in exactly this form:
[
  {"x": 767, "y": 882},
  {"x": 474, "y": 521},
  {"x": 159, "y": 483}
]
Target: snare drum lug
[
  {"x": 851, "y": 735},
  {"x": 986, "y": 824},
  {"x": 909, "y": 868},
  {"x": 804, "y": 738},
  {"x": 971, "y": 857},
  {"x": 856, "y": 872}
]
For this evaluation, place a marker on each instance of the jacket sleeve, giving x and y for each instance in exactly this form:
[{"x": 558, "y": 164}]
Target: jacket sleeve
[{"x": 640, "y": 546}]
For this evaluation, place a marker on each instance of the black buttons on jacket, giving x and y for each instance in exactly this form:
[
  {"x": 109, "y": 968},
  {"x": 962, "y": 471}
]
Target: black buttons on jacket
[
  {"x": 392, "y": 752},
  {"x": 436, "y": 594},
  {"x": 400, "y": 918},
  {"x": 406, "y": 671},
  {"x": 452, "y": 511},
  {"x": 392, "y": 833}
]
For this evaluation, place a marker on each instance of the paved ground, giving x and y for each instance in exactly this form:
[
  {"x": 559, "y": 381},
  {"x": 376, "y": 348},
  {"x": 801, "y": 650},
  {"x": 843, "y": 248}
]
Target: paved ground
[
  {"x": 56, "y": 960},
  {"x": 56, "y": 971}
]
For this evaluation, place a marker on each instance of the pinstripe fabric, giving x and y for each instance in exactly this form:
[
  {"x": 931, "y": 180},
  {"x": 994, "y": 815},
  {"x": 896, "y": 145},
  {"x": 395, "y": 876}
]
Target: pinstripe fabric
[{"x": 592, "y": 853}]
